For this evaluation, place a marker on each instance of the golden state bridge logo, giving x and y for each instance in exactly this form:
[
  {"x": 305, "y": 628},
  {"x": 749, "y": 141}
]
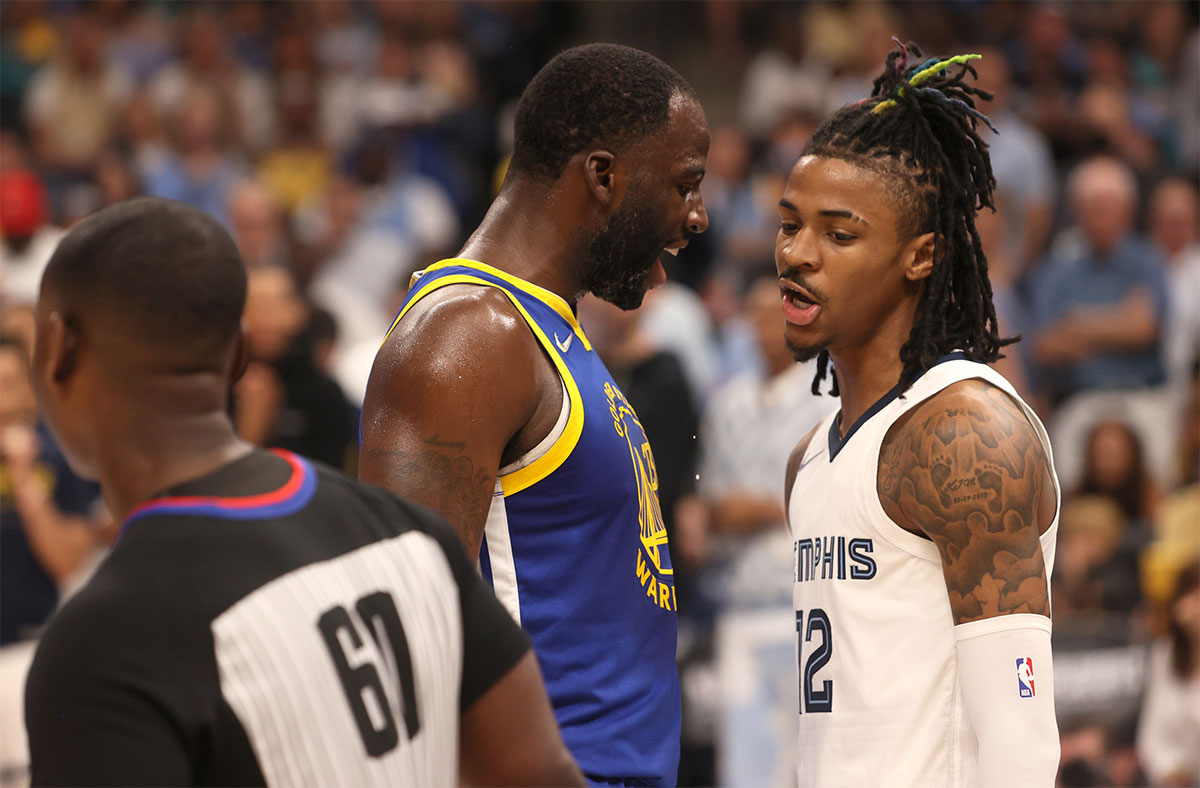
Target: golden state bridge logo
[{"x": 654, "y": 559}]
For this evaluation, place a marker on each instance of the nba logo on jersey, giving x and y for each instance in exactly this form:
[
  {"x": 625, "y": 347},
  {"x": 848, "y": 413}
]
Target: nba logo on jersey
[{"x": 1025, "y": 677}]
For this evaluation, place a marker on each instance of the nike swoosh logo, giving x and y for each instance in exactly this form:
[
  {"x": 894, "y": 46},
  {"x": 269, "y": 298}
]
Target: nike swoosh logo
[
  {"x": 810, "y": 459},
  {"x": 563, "y": 346}
]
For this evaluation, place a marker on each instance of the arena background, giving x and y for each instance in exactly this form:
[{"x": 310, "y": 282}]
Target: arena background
[{"x": 347, "y": 144}]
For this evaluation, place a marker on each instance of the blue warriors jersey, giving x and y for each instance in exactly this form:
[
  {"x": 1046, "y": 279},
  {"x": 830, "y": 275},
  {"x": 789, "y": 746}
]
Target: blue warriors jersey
[{"x": 575, "y": 548}]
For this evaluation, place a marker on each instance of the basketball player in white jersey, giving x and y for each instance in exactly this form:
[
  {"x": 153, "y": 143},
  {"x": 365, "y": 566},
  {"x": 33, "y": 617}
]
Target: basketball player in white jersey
[{"x": 924, "y": 513}]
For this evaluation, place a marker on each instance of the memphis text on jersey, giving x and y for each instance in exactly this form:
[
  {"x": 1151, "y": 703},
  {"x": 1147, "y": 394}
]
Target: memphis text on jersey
[
  {"x": 654, "y": 571},
  {"x": 833, "y": 558}
]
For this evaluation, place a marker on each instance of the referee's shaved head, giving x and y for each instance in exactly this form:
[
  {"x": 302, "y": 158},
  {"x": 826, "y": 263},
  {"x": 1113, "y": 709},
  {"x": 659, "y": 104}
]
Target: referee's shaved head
[{"x": 160, "y": 279}]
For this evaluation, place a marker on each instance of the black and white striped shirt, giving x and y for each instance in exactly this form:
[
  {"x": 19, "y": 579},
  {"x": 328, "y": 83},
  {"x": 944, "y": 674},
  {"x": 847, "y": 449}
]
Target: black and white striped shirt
[{"x": 274, "y": 621}]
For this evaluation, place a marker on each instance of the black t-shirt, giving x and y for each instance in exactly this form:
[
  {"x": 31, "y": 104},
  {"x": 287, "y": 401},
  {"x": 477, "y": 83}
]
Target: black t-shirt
[{"x": 272, "y": 621}]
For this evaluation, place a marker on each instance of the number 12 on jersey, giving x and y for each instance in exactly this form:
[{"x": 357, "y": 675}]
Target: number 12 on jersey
[{"x": 813, "y": 697}]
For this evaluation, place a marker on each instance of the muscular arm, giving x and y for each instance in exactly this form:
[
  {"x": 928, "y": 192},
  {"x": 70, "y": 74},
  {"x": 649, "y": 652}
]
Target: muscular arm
[
  {"x": 451, "y": 386},
  {"x": 967, "y": 470}
]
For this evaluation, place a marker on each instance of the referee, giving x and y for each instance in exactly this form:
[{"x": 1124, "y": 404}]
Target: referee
[{"x": 261, "y": 619}]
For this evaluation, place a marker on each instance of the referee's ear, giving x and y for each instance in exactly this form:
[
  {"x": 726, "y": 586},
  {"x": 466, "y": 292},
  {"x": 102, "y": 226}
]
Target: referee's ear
[{"x": 241, "y": 356}]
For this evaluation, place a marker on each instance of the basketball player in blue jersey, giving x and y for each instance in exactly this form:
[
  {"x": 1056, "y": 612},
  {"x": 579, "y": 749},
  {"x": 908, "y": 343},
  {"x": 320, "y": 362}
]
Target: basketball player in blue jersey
[
  {"x": 924, "y": 513},
  {"x": 261, "y": 618},
  {"x": 488, "y": 403}
]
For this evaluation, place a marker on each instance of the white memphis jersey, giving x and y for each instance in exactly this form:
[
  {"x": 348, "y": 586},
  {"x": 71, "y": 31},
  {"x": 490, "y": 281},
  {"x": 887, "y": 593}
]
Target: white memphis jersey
[
  {"x": 881, "y": 702},
  {"x": 305, "y": 733}
]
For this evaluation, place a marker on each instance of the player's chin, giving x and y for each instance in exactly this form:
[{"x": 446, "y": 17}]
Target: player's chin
[
  {"x": 804, "y": 348},
  {"x": 627, "y": 300}
]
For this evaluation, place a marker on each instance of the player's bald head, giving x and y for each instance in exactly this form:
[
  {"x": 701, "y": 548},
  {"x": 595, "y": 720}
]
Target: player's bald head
[{"x": 153, "y": 279}]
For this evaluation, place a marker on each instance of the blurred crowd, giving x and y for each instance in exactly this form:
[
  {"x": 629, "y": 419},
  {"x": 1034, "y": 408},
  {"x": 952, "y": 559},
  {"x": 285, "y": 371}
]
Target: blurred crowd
[{"x": 346, "y": 144}]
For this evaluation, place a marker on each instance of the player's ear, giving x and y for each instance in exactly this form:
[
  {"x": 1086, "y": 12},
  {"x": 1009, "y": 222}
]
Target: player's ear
[
  {"x": 604, "y": 178},
  {"x": 241, "y": 356},
  {"x": 919, "y": 257},
  {"x": 61, "y": 347}
]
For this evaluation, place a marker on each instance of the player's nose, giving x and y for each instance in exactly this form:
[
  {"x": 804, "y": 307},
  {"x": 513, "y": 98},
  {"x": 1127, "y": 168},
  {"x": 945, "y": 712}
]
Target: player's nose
[
  {"x": 799, "y": 251},
  {"x": 697, "y": 218}
]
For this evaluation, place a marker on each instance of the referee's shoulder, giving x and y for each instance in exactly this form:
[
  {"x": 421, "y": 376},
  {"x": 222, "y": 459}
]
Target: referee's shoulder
[{"x": 82, "y": 634}]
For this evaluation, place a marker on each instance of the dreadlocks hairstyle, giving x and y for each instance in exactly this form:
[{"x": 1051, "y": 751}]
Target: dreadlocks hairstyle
[{"x": 918, "y": 131}]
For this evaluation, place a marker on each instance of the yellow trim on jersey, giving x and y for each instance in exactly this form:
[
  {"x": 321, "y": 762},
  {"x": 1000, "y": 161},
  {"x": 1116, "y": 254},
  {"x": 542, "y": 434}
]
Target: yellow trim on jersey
[
  {"x": 550, "y": 299},
  {"x": 558, "y": 452}
]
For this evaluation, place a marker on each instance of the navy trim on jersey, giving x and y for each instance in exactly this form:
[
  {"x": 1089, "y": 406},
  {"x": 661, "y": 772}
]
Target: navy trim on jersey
[
  {"x": 836, "y": 441},
  {"x": 288, "y": 499}
]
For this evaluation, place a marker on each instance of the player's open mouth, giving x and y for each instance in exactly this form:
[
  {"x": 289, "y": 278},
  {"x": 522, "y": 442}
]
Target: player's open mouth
[
  {"x": 799, "y": 308},
  {"x": 673, "y": 249}
]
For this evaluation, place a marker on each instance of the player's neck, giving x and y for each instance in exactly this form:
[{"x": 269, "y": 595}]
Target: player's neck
[
  {"x": 865, "y": 373},
  {"x": 149, "y": 450},
  {"x": 524, "y": 234}
]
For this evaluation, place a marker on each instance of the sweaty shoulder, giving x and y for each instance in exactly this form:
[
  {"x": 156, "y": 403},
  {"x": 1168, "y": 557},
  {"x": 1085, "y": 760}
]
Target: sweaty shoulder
[
  {"x": 966, "y": 469},
  {"x": 462, "y": 360},
  {"x": 459, "y": 325}
]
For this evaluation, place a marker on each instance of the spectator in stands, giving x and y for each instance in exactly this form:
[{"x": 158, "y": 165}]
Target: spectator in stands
[
  {"x": 1115, "y": 467},
  {"x": 1176, "y": 537},
  {"x": 1186, "y": 102},
  {"x": 115, "y": 179},
  {"x": 403, "y": 221},
  {"x": 1092, "y": 574},
  {"x": 257, "y": 224},
  {"x": 1025, "y": 176},
  {"x": 1169, "y": 735},
  {"x": 1175, "y": 229},
  {"x": 782, "y": 77},
  {"x": 399, "y": 95},
  {"x": 752, "y": 424},
  {"x": 28, "y": 40},
  {"x": 1012, "y": 315},
  {"x": 741, "y": 214},
  {"x": 26, "y": 235},
  {"x": 202, "y": 169},
  {"x": 1098, "y": 310},
  {"x": 284, "y": 400},
  {"x": 144, "y": 137},
  {"x": 51, "y": 521},
  {"x": 1106, "y": 524},
  {"x": 206, "y": 60},
  {"x": 299, "y": 166},
  {"x": 749, "y": 430},
  {"x": 74, "y": 104}
]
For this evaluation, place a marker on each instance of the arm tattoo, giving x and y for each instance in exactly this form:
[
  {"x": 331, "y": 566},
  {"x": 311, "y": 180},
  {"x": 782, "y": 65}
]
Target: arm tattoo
[
  {"x": 443, "y": 479},
  {"x": 970, "y": 473}
]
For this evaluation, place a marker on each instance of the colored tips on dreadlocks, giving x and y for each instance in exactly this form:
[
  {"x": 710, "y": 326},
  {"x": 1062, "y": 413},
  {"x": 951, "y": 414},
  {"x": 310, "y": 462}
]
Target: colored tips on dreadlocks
[
  {"x": 923, "y": 72},
  {"x": 941, "y": 65}
]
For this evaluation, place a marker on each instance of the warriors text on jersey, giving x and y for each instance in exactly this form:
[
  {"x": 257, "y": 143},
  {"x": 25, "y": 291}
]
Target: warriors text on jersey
[
  {"x": 879, "y": 694},
  {"x": 272, "y": 621},
  {"x": 575, "y": 548}
]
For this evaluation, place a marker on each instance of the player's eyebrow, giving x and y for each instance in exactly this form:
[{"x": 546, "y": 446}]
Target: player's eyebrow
[
  {"x": 787, "y": 205},
  {"x": 694, "y": 172},
  {"x": 842, "y": 214}
]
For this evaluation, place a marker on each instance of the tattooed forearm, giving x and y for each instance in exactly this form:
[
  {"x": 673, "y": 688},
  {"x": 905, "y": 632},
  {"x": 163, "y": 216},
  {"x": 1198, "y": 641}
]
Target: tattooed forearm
[
  {"x": 446, "y": 481},
  {"x": 967, "y": 470}
]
